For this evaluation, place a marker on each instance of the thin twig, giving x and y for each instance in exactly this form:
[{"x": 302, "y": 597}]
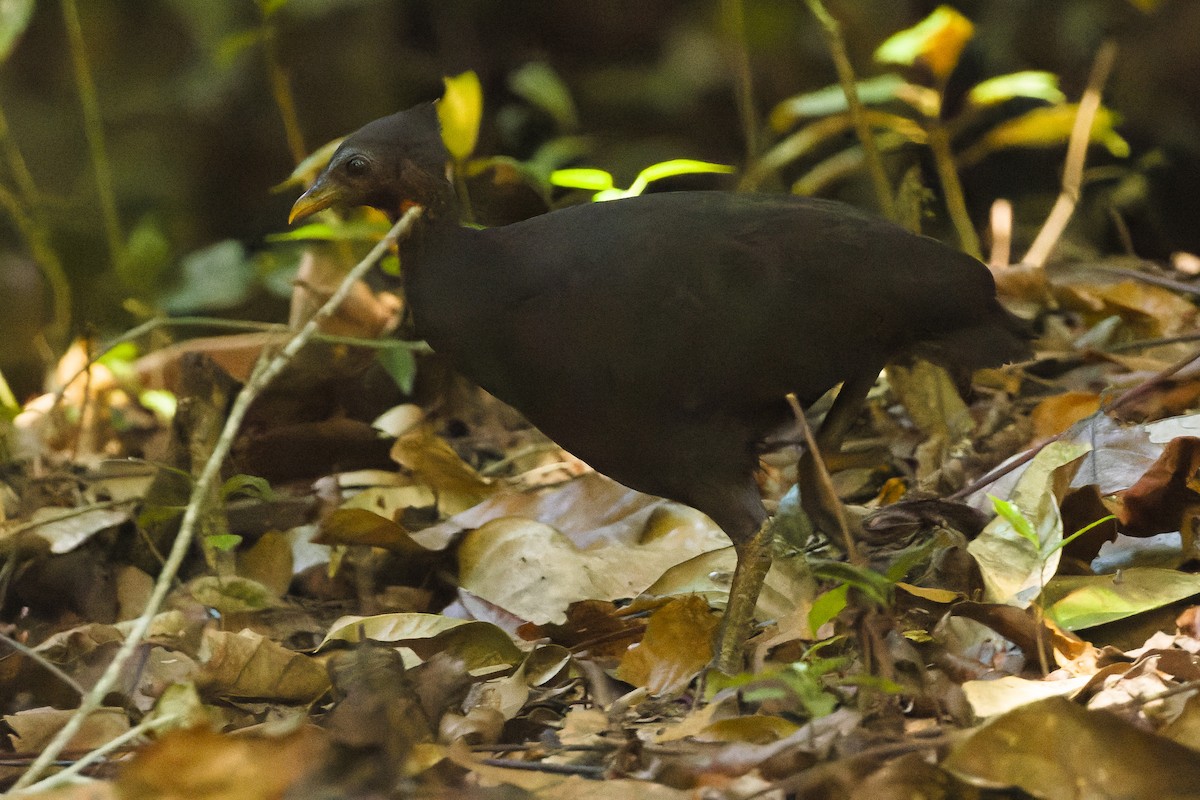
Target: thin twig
[
  {"x": 43, "y": 662},
  {"x": 1081, "y": 135},
  {"x": 952, "y": 191},
  {"x": 69, "y": 513},
  {"x": 64, "y": 776},
  {"x": 825, "y": 482},
  {"x": 152, "y": 325},
  {"x": 37, "y": 238},
  {"x": 832, "y": 31},
  {"x": 583, "y": 770},
  {"x": 264, "y": 372},
  {"x": 93, "y": 127}
]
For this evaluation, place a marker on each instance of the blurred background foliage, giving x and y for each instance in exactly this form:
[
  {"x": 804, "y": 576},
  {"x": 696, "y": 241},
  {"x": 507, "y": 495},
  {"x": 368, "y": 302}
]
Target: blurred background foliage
[{"x": 203, "y": 107}]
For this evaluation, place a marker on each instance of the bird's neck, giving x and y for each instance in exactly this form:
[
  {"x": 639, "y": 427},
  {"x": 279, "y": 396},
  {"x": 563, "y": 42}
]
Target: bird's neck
[{"x": 444, "y": 266}]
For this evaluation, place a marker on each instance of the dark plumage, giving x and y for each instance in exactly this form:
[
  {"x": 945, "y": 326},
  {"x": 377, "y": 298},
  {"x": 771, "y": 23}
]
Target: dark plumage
[{"x": 656, "y": 337}]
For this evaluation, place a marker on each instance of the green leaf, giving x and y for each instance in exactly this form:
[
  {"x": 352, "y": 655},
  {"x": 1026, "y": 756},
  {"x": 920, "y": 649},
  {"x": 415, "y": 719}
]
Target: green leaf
[
  {"x": 541, "y": 86},
  {"x": 401, "y": 364},
  {"x": 145, "y": 257},
  {"x": 669, "y": 169},
  {"x": 224, "y": 542},
  {"x": 14, "y": 19},
  {"x": 269, "y": 7},
  {"x": 235, "y": 44},
  {"x": 358, "y": 230},
  {"x": 217, "y": 277},
  {"x": 162, "y": 402},
  {"x": 1019, "y": 522},
  {"x": 307, "y": 170},
  {"x": 1013, "y": 571},
  {"x": 247, "y": 486},
  {"x": 1084, "y": 601},
  {"x": 1030, "y": 83},
  {"x": 828, "y": 606},
  {"x": 593, "y": 180},
  {"x": 832, "y": 100},
  {"x": 1046, "y": 127},
  {"x": 459, "y": 112},
  {"x": 935, "y": 42}
]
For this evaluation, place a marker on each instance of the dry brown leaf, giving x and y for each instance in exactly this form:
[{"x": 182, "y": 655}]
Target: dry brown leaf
[
  {"x": 1026, "y": 748},
  {"x": 202, "y": 765},
  {"x": 676, "y": 647},
  {"x": 248, "y": 665},
  {"x": 435, "y": 464},
  {"x": 1055, "y": 414},
  {"x": 32, "y": 730}
]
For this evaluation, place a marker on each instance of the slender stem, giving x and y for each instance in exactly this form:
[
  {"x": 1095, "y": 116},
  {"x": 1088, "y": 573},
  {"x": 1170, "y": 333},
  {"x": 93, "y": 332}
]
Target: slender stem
[
  {"x": 832, "y": 30},
  {"x": 264, "y": 372},
  {"x": 956, "y": 204},
  {"x": 94, "y": 130},
  {"x": 37, "y": 239},
  {"x": 20, "y": 169},
  {"x": 1072, "y": 182},
  {"x": 734, "y": 15},
  {"x": 281, "y": 89}
]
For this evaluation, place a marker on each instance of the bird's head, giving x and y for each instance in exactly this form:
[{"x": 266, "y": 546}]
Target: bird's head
[{"x": 389, "y": 164}]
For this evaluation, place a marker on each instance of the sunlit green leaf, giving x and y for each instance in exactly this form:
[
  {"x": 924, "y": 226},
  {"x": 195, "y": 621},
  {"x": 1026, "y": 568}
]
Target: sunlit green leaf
[
  {"x": 670, "y": 169},
  {"x": 541, "y": 86},
  {"x": 832, "y": 100},
  {"x": 162, "y": 402},
  {"x": 1019, "y": 522},
  {"x": 460, "y": 111},
  {"x": 123, "y": 353},
  {"x": 224, "y": 542},
  {"x": 936, "y": 42},
  {"x": 828, "y": 606},
  {"x": 1031, "y": 83},
  {"x": 14, "y": 18},
  {"x": 593, "y": 180},
  {"x": 364, "y": 230}
]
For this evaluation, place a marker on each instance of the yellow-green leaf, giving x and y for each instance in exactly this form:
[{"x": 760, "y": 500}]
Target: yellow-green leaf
[
  {"x": 936, "y": 42},
  {"x": 1046, "y": 127},
  {"x": 1029, "y": 83},
  {"x": 460, "y": 111},
  {"x": 593, "y": 180}
]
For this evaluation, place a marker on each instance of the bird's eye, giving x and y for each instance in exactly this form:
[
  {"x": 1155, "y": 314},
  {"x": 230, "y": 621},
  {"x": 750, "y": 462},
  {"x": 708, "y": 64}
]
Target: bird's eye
[{"x": 357, "y": 165}]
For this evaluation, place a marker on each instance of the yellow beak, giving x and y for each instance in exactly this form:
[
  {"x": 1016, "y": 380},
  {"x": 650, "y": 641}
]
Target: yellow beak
[{"x": 320, "y": 195}]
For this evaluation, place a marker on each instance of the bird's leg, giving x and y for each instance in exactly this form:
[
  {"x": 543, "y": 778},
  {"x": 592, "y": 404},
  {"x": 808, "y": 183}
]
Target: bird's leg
[
  {"x": 753, "y": 562},
  {"x": 754, "y": 554}
]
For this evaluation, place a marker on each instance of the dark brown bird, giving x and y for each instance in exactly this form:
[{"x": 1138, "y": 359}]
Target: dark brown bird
[{"x": 656, "y": 337}]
